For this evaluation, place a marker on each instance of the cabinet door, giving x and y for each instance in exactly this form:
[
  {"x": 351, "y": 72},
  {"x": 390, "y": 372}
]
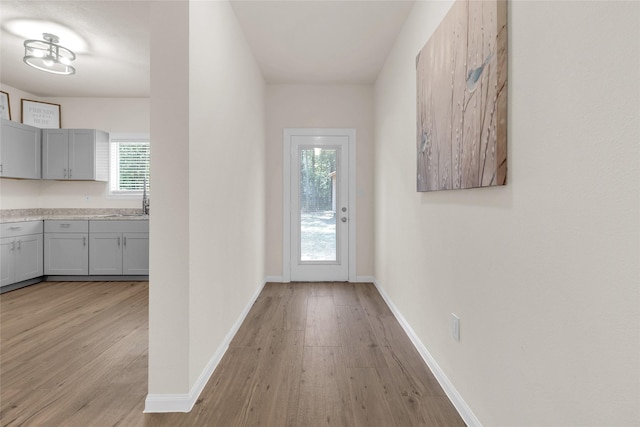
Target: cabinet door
[
  {"x": 66, "y": 254},
  {"x": 28, "y": 257},
  {"x": 105, "y": 253},
  {"x": 7, "y": 261},
  {"x": 135, "y": 258},
  {"x": 20, "y": 151},
  {"x": 82, "y": 154},
  {"x": 55, "y": 153}
]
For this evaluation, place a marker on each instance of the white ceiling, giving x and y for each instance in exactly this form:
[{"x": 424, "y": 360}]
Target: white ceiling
[
  {"x": 293, "y": 41},
  {"x": 321, "y": 41},
  {"x": 115, "y": 62}
]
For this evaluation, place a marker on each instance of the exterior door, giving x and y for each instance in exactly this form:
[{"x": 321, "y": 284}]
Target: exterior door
[{"x": 319, "y": 209}]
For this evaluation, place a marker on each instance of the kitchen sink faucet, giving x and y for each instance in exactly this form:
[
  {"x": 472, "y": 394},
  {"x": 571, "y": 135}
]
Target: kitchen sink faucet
[{"x": 145, "y": 199}]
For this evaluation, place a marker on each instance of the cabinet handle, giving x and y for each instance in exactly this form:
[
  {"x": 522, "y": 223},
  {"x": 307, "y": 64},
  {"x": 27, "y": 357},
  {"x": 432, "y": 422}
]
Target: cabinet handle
[
  {"x": 15, "y": 228},
  {"x": 13, "y": 246},
  {"x": 65, "y": 225},
  {"x": 84, "y": 240},
  {"x": 19, "y": 244},
  {"x": 0, "y": 167},
  {"x": 118, "y": 241},
  {"x": 65, "y": 172},
  {"x": 70, "y": 172},
  {"x": 125, "y": 240}
]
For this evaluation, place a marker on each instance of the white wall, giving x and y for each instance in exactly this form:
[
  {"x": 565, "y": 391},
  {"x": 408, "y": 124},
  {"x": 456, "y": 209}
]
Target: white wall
[
  {"x": 19, "y": 194},
  {"x": 544, "y": 272},
  {"x": 169, "y": 222},
  {"x": 207, "y": 227},
  {"x": 320, "y": 106},
  {"x": 226, "y": 179},
  {"x": 109, "y": 114}
]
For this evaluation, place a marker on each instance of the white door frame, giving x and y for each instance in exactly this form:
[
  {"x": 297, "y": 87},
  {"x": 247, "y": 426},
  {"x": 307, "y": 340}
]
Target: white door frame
[{"x": 286, "y": 178}]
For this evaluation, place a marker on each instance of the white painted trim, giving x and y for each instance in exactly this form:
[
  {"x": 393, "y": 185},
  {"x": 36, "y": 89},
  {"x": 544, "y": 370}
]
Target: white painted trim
[
  {"x": 365, "y": 279},
  {"x": 129, "y": 137},
  {"x": 286, "y": 206},
  {"x": 456, "y": 399},
  {"x": 274, "y": 279},
  {"x": 352, "y": 204},
  {"x": 117, "y": 137},
  {"x": 286, "y": 193},
  {"x": 158, "y": 403}
]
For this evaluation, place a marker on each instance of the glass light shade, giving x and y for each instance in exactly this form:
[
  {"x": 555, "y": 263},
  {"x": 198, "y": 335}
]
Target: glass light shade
[{"x": 47, "y": 55}]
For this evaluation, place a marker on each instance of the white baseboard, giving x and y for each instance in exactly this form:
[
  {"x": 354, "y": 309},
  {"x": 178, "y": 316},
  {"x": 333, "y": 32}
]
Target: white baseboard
[
  {"x": 456, "y": 399},
  {"x": 359, "y": 279},
  {"x": 156, "y": 403}
]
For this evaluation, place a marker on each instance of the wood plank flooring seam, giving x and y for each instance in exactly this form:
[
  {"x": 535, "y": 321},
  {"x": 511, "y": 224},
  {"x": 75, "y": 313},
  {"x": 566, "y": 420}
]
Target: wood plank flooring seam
[{"x": 307, "y": 354}]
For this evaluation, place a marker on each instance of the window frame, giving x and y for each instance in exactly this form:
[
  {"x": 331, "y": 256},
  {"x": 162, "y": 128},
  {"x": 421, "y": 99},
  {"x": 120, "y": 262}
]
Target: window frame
[{"x": 117, "y": 138}]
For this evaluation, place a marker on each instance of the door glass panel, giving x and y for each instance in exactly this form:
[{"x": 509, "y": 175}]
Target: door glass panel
[{"x": 318, "y": 217}]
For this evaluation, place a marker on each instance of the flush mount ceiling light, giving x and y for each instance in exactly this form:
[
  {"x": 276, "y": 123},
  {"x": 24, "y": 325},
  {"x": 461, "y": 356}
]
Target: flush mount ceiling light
[{"x": 47, "y": 55}]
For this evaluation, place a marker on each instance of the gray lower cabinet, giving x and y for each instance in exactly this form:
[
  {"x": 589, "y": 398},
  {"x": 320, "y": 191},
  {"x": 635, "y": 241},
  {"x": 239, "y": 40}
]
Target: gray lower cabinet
[
  {"x": 135, "y": 256},
  {"x": 20, "y": 252},
  {"x": 20, "y": 151},
  {"x": 119, "y": 247},
  {"x": 66, "y": 248},
  {"x": 7, "y": 262},
  {"x": 105, "y": 253}
]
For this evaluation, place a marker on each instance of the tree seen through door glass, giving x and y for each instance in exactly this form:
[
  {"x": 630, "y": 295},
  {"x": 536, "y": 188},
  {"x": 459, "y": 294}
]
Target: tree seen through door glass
[{"x": 318, "y": 204}]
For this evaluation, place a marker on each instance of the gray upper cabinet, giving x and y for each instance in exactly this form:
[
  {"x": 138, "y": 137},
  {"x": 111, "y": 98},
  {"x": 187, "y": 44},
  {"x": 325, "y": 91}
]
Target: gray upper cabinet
[
  {"x": 75, "y": 154},
  {"x": 20, "y": 151},
  {"x": 55, "y": 151}
]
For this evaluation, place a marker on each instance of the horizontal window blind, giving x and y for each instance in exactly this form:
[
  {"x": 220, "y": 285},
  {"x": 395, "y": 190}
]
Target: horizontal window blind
[{"x": 129, "y": 166}]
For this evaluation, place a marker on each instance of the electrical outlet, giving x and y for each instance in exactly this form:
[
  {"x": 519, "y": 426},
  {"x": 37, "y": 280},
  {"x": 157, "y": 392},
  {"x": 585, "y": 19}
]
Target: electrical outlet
[{"x": 455, "y": 327}]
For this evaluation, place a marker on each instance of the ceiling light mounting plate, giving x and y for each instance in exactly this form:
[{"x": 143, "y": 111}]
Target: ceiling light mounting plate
[{"x": 51, "y": 38}]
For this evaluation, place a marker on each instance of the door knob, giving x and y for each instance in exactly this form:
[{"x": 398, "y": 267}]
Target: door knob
[
  {"x": 344, "y": 209},
  {"x": 343, "y": 219}
]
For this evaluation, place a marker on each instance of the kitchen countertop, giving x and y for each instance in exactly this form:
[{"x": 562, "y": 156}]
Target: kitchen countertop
[{"x": 107, "y": 214}]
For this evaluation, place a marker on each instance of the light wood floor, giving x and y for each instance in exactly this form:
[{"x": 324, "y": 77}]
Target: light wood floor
[{"x": 75, "y": 354}]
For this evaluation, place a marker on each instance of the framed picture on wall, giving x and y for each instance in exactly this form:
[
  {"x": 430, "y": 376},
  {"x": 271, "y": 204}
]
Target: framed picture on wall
[
  {"x": 5, "y": 106},
  {"x": 461, "y": 93},
  {"x": 41, "y": 114}
]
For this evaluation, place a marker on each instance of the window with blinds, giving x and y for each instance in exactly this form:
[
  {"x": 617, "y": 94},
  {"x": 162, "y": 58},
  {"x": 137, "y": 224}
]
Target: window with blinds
[{"x": 129, "y": 164}]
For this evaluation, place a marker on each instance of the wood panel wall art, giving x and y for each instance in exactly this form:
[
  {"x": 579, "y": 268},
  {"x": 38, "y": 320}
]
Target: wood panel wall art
[{"x": 462, "y": 99}]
